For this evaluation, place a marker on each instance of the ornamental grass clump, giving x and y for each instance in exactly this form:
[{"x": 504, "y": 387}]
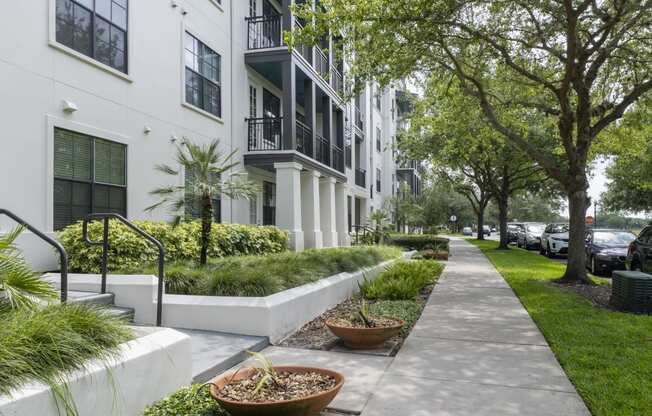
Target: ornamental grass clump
[
  {"x": 402, "y": 281},
  {"x": 48, "y": 344}
]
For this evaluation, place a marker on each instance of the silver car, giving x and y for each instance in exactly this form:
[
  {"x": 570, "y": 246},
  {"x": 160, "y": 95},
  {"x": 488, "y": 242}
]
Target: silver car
[{"x": 529, "y": 237}]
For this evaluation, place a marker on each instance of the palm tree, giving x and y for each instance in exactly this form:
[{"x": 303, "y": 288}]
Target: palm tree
[
  {"x": 380, "y": 218},
  {"x": 203, "y": 166},
  {"x": 19, "y": 285}
]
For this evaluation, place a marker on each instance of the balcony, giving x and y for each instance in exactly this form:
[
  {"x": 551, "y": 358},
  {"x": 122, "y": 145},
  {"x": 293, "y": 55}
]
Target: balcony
[
  {"x": 337, "y": 81},
  {"x": 265, "y": 135},
  {"x": 321, "y": 63},
  {"x": 264, "y": 32},
  {"x": 361, "y": 177}
]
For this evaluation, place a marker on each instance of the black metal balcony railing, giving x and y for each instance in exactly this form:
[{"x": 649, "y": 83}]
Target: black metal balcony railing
[
  {"x": 361, "y": 177},
  {"x": 321, "y": 63},
  {"x": 322, "y": 150},
  {"x": 304, "y": 50},
  {"x": 304, "y": 139},
  {"x": 378, "y": 185},
  {"x": 264, "y": 31},
  {"x": 347, "y": 156},
  {"x": 264, "y": 134},
  {"x": 337, "y": 81},
  {"x": 338, "y": 158}
]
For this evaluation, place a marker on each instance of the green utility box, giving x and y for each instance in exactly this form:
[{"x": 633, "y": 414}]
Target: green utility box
[{"x": 632, "y": 291}]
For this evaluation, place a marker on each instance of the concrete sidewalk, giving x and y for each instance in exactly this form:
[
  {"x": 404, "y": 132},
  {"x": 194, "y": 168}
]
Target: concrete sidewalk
[{"x": 474, "y": 351}]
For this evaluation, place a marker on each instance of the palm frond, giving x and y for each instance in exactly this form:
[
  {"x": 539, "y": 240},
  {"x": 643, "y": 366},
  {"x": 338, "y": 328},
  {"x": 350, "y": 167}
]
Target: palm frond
[{"x": 19, "y": 285}]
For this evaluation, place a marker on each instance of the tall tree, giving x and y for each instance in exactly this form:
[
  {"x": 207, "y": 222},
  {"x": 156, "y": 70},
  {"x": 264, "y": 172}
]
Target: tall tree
[
  {"x": 204, "y": 167},
  {"x": 580, "y": 63},
  {"x": 630, "y": 174},
  {"x": 448, "y": 128}
]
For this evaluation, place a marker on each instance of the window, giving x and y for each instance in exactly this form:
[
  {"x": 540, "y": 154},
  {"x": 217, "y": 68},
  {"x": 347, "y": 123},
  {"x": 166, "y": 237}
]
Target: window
[
  {"x": 269, "y": 203},
  {"x": 378, "y": 180},
  {"x": 378, "y": 98},
  {"x": 378, "y": 139},
  {"x": 253, "y": 210},
  {"x": 90, "y": 175},
  {"x": 252, "y": 8},
  {"x": 95, "y": 28},
  {"x": 253, "y": 101},
  {"x": 203, "y": 66},
  {"x": 192, "y": 206}
]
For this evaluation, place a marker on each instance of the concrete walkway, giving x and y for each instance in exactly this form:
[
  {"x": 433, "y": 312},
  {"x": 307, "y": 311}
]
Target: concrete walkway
[{"x": 474, "y": 351}]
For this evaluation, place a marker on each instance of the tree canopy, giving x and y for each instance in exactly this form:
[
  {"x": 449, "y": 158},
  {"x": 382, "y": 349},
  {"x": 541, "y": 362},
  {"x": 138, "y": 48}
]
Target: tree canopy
[{"x": 579, "y": 63}]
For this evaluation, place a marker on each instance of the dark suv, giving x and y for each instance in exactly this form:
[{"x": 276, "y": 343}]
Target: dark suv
[{"x": 639, "y": 255}]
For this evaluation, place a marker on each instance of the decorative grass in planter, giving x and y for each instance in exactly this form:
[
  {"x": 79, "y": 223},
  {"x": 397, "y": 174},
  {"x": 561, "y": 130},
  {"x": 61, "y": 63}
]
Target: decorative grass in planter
[
  {"x": 276, "y": 391},
  {"x": 364, "y": 331}
]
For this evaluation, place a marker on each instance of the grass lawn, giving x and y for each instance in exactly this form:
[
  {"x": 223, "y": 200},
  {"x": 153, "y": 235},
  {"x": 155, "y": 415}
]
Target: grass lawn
[{"x": 606, "y": 354}]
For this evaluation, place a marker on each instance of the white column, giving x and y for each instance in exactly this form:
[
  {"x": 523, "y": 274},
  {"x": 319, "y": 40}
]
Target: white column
[
  {"x": 341, "y": 214},
  {"x": 327, "y": 210},
  {"x": 310, "y": 209},
  {"x": 288, "y": 201}
]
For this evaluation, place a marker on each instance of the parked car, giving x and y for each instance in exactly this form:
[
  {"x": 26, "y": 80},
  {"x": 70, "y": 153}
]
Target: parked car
[
  {"x": 554, "y": 240},
  {"x": 512, "y": 231},
  {"x": 486, "y": 230},
  {"x": 467, "y": 231},
  {"x": 529, "y": 237},
  {"x": 606, "y": 250},
  {"x": 639, "y": 255},
  {"x": 493, "y": 229}
]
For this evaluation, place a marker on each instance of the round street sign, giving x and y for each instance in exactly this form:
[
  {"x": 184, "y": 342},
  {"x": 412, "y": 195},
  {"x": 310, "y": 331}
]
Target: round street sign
[{"x": 453, "y": 218}]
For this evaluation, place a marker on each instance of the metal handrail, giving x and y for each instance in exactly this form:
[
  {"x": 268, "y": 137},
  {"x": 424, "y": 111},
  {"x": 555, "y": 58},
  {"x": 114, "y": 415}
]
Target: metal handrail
[
  {"x": 105, "y": 249},
  {"x": 365, "y": 230},
  {"x": 63, "y": 256}
]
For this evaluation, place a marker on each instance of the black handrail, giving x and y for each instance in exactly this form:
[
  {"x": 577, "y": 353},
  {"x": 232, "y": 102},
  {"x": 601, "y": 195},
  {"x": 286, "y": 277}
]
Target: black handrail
[
  {"x": 365, "y": 230},
  {"x": 105, "y": 249},
  {"x": 63, "y": 256}
]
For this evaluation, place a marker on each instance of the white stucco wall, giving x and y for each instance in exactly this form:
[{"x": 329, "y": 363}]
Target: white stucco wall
[{"x": 145, "y": 370}]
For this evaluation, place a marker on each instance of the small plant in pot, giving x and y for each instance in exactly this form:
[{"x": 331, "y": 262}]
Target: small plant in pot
[
  {"x": 268, "y": 390},
  {"x": 364, "y": 331}
]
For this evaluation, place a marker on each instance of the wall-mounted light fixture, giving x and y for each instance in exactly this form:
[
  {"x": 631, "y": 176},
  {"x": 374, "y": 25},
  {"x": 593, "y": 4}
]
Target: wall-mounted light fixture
[
  {"x": 147, "y": 130},
  {"x": 69, "y": 106}
]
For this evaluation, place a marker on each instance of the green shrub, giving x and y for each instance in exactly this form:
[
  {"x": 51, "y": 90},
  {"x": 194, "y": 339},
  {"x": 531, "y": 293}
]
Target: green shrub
[
  {"x": 402, "y": 281},
  {"x": 418, "y": 241},
  {"x": 48, "y": 344},
  {"x": 128, "y": 251},
  {"x": 266, "y": 275},
  {"x": 194, "y": 400},
  {"x": 407, "y": 310}
]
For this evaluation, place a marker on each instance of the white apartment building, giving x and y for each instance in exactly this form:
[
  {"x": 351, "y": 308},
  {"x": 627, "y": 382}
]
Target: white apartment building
[{"x": 95, "y": 93}]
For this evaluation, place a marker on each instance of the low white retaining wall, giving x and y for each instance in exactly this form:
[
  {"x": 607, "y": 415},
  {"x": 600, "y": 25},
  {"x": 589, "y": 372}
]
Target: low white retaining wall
[
  {"x": 146, "y": 370},
  {"x": 274, "y": 316}
]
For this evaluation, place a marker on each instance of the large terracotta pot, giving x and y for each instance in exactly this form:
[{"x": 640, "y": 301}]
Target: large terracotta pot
[
  {"x": 306, "y": 406},
  {"x": 365, "y": 338}
]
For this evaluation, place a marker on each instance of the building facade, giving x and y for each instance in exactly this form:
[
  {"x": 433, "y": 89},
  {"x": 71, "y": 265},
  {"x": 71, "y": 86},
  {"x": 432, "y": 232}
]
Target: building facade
[{"x": 97, "y": 92}]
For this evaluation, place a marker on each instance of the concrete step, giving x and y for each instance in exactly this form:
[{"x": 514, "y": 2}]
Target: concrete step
[
  {"x": 78, "y": 296},
  {"x": 215, "y": 352},
  {"x": 118, "y": 311}
]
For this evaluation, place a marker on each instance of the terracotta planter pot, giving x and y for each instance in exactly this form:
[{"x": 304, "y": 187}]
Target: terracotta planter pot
[
  {"x": 441, "y": 255},
  {"x": 306, "y": 406},
  {"x": 365, "y": 338}
]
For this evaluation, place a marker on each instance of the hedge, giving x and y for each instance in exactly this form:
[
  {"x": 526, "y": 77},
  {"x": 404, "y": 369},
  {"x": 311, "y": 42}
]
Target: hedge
[
  {"x": 418, "y": 241},
  {"x": 266, "y": 275},
  {"x": 128, "y": 251}
]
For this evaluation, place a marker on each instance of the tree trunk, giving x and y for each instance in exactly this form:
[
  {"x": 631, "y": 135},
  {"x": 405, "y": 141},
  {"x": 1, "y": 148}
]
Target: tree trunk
[
  {"x": 480, "y": 223},
  {"x": 576, "y": 268},
  {"x": 503, "y": 204},
  {"x": 206, "y": 225}
]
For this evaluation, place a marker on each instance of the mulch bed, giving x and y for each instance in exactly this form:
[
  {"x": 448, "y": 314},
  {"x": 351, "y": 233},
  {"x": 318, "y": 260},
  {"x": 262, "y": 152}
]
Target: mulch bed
[
  {"x": 285, "y": 386},
  {"x": 315, "y": 335},
  {"x": 599, "y": 295}
]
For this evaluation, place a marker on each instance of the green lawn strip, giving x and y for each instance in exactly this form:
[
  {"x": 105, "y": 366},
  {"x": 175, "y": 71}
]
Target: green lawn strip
[
  {"x": 266, "y": 275},
  {"x": 606, "y": 354}
]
